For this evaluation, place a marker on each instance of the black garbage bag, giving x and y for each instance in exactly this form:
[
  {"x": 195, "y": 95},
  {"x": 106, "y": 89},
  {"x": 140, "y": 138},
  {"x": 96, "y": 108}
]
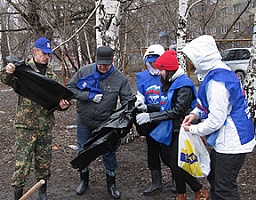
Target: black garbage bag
[
  {"x": 106, "y": 137},
  {"x": 37, "y": 87}
]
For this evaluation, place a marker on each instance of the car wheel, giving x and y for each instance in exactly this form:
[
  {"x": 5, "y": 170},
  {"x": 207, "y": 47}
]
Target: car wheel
[{"x": 240, "y": 75}]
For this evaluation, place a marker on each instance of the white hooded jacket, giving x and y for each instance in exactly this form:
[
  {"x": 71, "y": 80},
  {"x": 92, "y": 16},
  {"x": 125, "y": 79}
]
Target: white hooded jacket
[{"x": 204, "y": 54}]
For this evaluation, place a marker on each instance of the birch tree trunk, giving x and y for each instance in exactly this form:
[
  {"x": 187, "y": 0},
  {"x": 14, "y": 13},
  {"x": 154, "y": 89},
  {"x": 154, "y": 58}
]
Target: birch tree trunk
[
  {"x": 182, "y": 31},
  {"x": 182, "y": 28},
  {"x": 108, "y": 19},
  {"x": 79, "y": 51},
  {"x": 87, "y": 47},
  {"x": 250, "y": 77}
]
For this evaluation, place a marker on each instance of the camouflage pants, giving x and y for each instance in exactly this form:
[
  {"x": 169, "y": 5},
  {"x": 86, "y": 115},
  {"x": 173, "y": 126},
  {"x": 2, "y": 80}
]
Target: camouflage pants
[{"x": 29, "y": 143}]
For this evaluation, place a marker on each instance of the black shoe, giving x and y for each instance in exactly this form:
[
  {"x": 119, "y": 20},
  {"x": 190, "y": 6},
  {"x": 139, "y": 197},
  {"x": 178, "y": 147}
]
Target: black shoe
[
  {"x": 18, "y": 193},
  {"x": 84, "y": 182},
  {"x": 173, "y": 186},
  {"x": 42, "y": 192},
  {"x": 152, "y": 190},
  {"x": 111, "y": 186},
  {"x": 156, "y": 185}
]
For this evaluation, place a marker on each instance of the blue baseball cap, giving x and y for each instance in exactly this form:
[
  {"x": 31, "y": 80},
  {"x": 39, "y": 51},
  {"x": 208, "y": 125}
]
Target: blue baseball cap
[
  {"x": 43, "y": 44},
  {"x": 151, "y": 58}
]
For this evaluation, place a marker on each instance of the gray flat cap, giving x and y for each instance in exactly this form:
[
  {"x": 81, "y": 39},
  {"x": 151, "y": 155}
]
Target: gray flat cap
[{"x": 105, "y": 55}]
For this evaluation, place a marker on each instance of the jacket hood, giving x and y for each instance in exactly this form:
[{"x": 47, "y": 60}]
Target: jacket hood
[
  {"x": 204, "y": 54},
  {"x": 153, "y": 71}
]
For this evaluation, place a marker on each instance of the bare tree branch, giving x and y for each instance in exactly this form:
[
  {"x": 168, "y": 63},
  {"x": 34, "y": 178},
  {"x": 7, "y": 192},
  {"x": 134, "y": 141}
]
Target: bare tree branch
[{"x": 78, "y": 30}]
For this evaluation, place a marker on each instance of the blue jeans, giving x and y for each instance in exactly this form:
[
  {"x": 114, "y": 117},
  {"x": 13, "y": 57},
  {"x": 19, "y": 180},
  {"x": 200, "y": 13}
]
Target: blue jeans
[{"x": 109, "y": 159}]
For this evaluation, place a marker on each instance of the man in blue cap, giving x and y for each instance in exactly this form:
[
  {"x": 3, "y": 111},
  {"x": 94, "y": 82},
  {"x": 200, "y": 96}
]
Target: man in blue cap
[
  {"x": 33, "y": 125},
  {"x": 42, "y": 50},
  {"x": 43, "y": 44}
]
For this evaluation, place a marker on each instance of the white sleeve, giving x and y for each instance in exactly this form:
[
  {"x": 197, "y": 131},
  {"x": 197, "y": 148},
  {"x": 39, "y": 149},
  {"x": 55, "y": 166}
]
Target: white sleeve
[
  {"x": 196, "y": 112},
  {"x": 218, "y": 101},
  {"x": 140, "y": 97}
]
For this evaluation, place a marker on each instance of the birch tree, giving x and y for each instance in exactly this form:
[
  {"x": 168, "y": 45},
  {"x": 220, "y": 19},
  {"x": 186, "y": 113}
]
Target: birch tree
[
  {"x": 250, "y": 77},
  {"x": 184, "y": 10},
  {"x": 182, "y": 31},
  {"x": 108, "y": 20}
]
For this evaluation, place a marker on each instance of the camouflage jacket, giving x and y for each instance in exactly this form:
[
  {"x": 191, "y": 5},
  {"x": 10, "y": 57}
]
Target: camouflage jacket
[{"x": 29, "y": 114}]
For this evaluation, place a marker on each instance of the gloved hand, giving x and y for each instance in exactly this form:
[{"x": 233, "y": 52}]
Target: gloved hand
[
  {"x": 141, "y": 106},
  {"x": 142, "y": 118},
  {"x": 97, "y": 98}
]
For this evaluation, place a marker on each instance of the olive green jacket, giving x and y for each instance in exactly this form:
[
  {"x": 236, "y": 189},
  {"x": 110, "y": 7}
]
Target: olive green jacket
[{"x": 30, "y": 115}]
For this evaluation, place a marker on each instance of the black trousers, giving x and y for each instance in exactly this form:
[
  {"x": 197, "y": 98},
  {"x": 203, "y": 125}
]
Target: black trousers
[
  {"x": 223, "y": 175},
  {"x": 180, "y": 176},
  {"x": 154, "y": 162}
]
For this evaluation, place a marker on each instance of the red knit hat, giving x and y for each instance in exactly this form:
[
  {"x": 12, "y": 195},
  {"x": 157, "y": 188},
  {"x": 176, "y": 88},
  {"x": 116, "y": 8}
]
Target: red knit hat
[{"x": 167, "y": 61}]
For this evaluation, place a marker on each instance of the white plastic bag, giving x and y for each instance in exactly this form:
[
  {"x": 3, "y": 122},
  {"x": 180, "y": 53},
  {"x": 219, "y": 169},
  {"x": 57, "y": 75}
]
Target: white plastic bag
[{"x": 193, "y": 156}]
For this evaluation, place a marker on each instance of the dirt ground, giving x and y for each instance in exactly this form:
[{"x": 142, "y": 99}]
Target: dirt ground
[{"x": 133, "y": 175}]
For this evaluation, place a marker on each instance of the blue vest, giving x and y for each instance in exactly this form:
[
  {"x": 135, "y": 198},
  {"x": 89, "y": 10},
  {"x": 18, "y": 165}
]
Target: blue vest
[
  {"x": 149, "y": 86},
  {"x": 240, "y": 112},
  {"x": 163, "y": 132}
]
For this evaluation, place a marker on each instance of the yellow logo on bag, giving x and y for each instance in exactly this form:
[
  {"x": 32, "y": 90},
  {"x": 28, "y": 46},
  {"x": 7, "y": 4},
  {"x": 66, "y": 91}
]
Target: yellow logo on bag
[{"x": 189, "y": 160}]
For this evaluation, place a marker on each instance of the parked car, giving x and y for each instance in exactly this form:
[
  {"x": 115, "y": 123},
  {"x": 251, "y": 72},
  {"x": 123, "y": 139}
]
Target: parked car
[{"x": 237, "y": 59}]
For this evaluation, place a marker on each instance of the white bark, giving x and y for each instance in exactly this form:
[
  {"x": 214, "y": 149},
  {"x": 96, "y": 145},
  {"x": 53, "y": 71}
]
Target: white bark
[
  {"x": 108, "y": 19},
  {"x": 182, "y": 28},
  {"x": 250, "y": 78},
  {"x": 79, "y": 51},
  {"x": 87, "y": 47},
  {"x": 182, "y": 31}
]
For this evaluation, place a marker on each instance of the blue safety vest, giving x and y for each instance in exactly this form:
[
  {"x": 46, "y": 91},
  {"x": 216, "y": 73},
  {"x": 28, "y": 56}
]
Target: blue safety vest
[
  {"x": 240, "y": 111},
  {"x": 163, "y": 132},
  {"x": 149, "y": 86}
]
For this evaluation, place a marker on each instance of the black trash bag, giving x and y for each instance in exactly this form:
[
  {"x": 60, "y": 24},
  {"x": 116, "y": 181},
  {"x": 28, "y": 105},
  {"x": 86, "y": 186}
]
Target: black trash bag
[
  {"x": 145, "y": 129},
  {"x": 37, "y": 87},
  {"x": 107, "y": 137}
]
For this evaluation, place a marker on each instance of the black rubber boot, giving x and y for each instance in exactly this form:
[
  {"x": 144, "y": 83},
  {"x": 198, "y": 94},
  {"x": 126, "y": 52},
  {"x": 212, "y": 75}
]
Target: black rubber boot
[
  {"x": 84, "y": 182},
  {"x": 42, "y": 192},
  {"x": 156, "y": 185},
  {"x": 111, "y": 186},
  {"x": 18, "y": 193},
  {"x": 173, "y": 186}
]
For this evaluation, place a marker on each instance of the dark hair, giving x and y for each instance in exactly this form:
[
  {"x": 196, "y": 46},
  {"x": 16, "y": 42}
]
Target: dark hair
[{"x": 165, "y": 82}]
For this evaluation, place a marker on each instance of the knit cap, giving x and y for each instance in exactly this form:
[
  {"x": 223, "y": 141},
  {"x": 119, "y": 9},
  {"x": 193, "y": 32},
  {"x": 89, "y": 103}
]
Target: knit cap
[{"x": 167, "y": 61}]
